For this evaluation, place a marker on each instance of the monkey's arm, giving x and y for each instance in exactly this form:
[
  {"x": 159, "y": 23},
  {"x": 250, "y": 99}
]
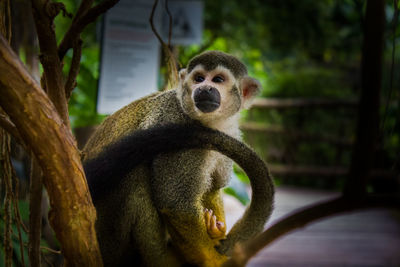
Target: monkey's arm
[
  {"x": 214, "y": 216},
  {"x": 179, "y": 181},
  {"x": 212, "y": 200}
]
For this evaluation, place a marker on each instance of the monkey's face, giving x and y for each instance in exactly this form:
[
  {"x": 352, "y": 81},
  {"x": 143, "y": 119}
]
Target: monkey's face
[{"x": 212, "y": 95}]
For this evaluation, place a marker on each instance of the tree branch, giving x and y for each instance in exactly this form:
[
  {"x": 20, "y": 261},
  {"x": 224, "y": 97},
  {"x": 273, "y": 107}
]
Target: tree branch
[
  {"x": 83, "y": 17},
  {"x": 153, "y": 28},
  {"x": 302, "y": 217},
  {"x": 82, "y": 10},
  {"x": 17, "y": 215},
  {"x": 5, "y": 19},
  {"x": 169, "y": 24},
  {"x": 170, "y": 58},
  {"x": 72, "y": 214},
  {"x": 5, "y": 175},
  {"x": 7, "y": 125},
  {"x": 97, "y": 10},
  {"x": 44, "y": 13},
  {"x": 10, "y": 128},
  {"x": 35, "y": 212},
  {"x": 74, "y": 69}
]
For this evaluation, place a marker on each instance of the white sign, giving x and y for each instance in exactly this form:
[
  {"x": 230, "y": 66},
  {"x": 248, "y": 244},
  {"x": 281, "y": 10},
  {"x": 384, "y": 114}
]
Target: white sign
[
  {"x": 187, "y": 22},
  {"x": 130, "y": 51},
  {"x": 130, "y": 55}
]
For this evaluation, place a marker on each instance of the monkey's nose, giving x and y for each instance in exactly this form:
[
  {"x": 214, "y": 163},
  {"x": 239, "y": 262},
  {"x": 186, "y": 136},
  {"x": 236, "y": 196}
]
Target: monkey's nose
[{"x": 207, "y": 99}]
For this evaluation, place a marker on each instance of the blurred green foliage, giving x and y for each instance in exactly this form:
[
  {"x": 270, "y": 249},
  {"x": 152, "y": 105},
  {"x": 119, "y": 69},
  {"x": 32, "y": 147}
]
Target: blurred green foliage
[{"x": 306, "y": 49}]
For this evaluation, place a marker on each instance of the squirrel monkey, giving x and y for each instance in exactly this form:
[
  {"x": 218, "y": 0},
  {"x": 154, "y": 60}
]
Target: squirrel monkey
[{"x": 155, "y": 174}]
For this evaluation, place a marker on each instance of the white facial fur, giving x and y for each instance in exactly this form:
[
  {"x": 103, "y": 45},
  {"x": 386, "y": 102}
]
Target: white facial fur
[
  {"x": 230, "y": 89},
  {"x": 223, "y": 84}
]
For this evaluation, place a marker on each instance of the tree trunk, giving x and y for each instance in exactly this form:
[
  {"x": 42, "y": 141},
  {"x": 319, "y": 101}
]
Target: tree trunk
[
  {"x": 72, "y": 214},
  {"x": 368, "y": 113}
]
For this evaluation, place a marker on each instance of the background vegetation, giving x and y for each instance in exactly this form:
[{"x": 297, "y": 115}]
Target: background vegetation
[{"x": 297, "y": 49}]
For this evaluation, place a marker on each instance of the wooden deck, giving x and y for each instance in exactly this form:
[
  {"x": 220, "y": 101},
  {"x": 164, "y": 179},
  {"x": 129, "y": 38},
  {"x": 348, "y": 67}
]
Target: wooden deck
[{"x": 366, "y": 238}]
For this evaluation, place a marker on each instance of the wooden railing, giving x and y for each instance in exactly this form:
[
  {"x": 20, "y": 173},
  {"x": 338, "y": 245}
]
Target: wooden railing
[
  {"x": 281, "y": 103},
  {"x": 339, "y": 142}
]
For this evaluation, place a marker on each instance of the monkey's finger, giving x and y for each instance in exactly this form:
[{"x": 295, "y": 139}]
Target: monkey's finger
[
  {"x": 210, "y": 211},
  {"x": 213, "y": 223},
  {"x": 207, "y": 217},
  {"x": 221, "y": 226}
]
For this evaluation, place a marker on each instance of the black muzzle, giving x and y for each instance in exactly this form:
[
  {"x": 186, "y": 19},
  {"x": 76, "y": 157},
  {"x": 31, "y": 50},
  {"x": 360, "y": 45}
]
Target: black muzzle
[{"x": 207, "y": 99}]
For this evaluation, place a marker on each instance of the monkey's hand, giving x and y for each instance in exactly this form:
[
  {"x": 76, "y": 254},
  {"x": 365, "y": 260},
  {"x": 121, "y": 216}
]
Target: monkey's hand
[{"x": 215, "y": 229}]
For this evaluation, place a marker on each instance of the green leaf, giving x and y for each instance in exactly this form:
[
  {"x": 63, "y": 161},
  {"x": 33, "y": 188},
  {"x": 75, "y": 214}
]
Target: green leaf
[
  {"x": 237, "y": 189},
  {"x": 240, "y": 175}
]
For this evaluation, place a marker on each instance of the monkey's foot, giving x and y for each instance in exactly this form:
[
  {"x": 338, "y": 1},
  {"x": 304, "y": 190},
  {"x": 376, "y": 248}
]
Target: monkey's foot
[{"x": 215, "y": 228}]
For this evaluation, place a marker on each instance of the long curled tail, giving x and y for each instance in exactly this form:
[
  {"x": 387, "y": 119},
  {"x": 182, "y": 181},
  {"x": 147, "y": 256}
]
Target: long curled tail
[{"x": 119, "y": 158}]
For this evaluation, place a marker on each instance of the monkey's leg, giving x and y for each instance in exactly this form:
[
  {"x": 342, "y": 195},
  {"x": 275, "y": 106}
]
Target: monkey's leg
[
  {"x": 149, "y": 232},
  {"x": 190, "y": 238},
  {"x": 151, "y": 239}
]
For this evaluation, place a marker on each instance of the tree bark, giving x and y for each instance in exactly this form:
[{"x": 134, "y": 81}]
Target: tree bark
[
  {"x": 72, "y": 214},
  {"x": 44, "y": 13},
  {"x": 5, "y": 177},
  {"x": 35, "y": 213}
]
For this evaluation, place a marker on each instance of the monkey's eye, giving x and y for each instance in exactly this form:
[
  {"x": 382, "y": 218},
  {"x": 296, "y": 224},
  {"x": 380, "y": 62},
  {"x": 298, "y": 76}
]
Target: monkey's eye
[
  {"x": 218, "y": 79},
  {"x": 199, "y": 78}
]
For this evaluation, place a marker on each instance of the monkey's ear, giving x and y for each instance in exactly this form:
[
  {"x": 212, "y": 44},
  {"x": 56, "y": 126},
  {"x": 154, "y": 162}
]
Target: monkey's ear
[
  {"x": 182, "y": 74},
  {"x": 250, "y": 89}
]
